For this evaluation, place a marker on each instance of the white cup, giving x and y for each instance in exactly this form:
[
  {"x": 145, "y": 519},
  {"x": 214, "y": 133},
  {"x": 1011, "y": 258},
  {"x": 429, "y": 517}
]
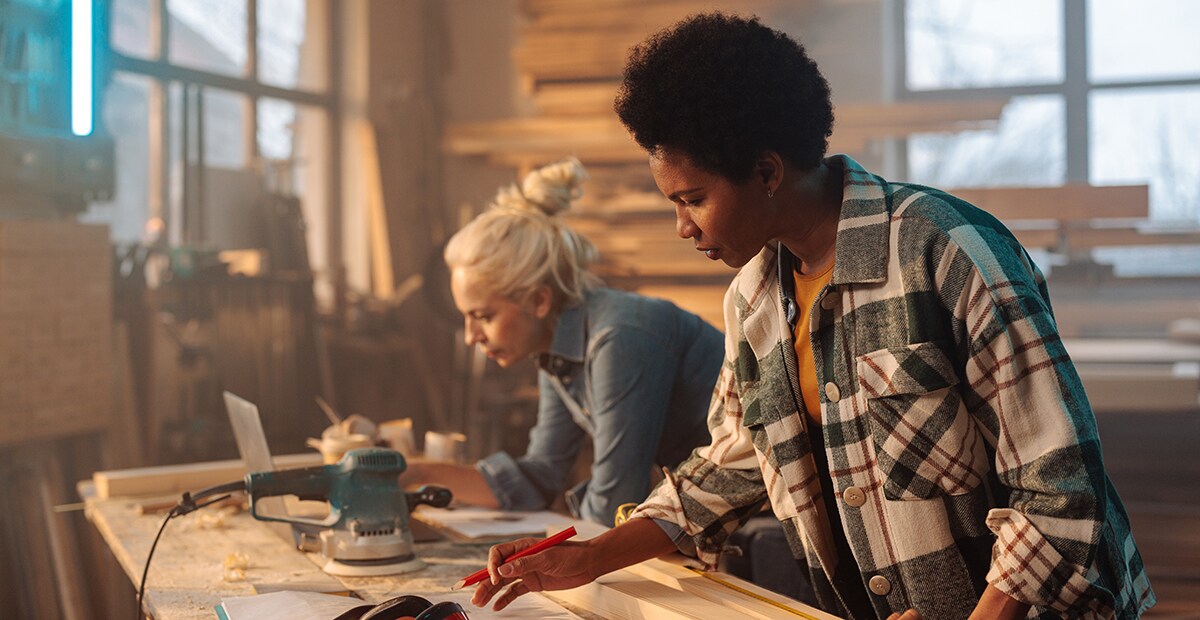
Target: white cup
[
  {"x": 398, "y": 435},
  {"x": 333, "y": 447},
  {"x": 448, "y": 447}
]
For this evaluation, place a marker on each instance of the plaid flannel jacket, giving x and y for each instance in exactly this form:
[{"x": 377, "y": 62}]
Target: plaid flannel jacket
[{"x": 962, "y": 448}]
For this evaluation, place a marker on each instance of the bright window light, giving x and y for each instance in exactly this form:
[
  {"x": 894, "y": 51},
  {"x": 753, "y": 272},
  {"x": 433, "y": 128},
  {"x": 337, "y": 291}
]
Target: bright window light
[{"x": 81, "y": 67}]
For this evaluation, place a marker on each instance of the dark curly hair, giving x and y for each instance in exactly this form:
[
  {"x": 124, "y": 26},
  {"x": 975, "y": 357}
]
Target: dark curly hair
[{"x": 723, "y": 89}]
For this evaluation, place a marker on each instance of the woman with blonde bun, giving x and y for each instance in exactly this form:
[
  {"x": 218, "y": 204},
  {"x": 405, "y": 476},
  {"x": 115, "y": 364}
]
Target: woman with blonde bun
[{"x": 633, "y": 373}]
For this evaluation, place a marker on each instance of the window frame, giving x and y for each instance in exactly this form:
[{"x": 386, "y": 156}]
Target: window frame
[
  {"x": 163, "y": 74},
  {"x": 1075, "y": 89}
]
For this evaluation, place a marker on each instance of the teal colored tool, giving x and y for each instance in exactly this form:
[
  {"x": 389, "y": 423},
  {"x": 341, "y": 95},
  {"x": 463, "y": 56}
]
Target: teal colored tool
[{"x": 366, "y": 531}]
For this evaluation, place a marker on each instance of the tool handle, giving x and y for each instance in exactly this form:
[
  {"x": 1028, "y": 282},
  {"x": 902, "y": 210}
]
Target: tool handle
[{"x": 430, "y": 495}]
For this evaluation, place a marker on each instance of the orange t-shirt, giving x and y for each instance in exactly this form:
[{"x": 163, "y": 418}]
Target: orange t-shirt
[{"x": 808, "y": 286}]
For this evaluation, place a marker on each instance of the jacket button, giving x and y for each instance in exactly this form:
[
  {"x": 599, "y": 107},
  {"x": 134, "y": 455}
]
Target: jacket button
[
  {"x": 854, "y": 496},
  {"x": 880, "y": 585},
  {"x": 832, "y": 392},
  {"x": 829, "y": 301}
]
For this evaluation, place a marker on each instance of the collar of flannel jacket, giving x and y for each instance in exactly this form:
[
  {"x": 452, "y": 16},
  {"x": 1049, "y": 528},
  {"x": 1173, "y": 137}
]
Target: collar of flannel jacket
[{"x": 861, "y": 254}]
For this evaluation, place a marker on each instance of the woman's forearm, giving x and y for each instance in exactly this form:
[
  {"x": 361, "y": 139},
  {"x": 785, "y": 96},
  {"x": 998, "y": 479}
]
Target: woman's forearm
[{"x": 634, "y": 541}]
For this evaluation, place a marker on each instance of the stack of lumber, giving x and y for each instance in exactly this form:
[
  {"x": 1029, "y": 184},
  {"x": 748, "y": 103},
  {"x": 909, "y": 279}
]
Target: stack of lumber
[
  {"x": 570, "y": 56},
  {"x": 1076, "y": 218},
  {"x": 634, "y": 228}
]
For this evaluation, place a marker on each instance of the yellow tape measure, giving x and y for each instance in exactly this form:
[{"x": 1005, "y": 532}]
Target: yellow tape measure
[
  {"x": 753, "y": 595},
  {"x": 623, "y": 512}
]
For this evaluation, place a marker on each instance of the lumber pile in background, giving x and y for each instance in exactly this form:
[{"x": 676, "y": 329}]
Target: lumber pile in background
[{"x": 569, "y": 58}]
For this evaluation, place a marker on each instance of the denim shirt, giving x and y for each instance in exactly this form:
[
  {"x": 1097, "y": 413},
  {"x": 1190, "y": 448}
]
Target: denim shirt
[{"x": 634, "y": 373}]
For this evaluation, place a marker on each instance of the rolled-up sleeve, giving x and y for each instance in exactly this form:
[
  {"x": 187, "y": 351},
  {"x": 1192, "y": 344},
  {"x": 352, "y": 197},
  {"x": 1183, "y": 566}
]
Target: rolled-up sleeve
[
  {"x": 1025, "y": 392},
  {"x": 721, "y": 485}
]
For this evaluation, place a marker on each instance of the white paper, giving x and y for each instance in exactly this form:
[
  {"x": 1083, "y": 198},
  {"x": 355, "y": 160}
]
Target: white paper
[
  {"x": 291, "y": 604},
  {"x": 484, "y": 523}
]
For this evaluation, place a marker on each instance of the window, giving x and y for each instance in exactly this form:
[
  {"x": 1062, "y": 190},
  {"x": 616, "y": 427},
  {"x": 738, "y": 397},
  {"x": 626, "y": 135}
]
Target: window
[
  {"x": 959, "y": 44},
  {"x": 213, "y": 102},
  {"x": 1101, "y": 91}
]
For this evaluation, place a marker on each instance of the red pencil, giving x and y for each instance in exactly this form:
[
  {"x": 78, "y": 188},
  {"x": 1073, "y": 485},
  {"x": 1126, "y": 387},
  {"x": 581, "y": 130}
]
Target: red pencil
[{"x": 544, "y": 544}]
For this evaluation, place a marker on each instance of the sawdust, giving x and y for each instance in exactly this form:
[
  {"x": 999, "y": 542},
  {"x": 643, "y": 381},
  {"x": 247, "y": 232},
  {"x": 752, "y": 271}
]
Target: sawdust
[{"x": 188, "y": 576}]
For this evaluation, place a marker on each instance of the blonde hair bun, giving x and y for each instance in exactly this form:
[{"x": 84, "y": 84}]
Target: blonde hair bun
[
  {"x": 518, "y": 244},
  {"x": 550, "y": 189}
]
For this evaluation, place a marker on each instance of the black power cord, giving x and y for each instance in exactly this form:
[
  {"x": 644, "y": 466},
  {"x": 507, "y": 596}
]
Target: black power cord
[{"x": 185, "y": 506}]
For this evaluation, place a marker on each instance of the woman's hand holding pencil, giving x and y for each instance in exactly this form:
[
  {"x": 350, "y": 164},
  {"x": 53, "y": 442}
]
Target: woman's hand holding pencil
[
  {"x": 537, "y": 546},
  {"x": 563, "y": 565}
]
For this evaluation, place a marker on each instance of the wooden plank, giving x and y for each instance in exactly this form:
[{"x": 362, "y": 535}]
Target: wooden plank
[
  {"x": 63, "y": 545},
  {"x": 1067, "y": 202},
  {"x": 670, "y": 572},
  {"x": 644, "y": 18},
  {"x": 1131, "y": 350},
  {"x": 621, "y": 595},
  {"x": 597, "y": 134},
  {"x": 1045, "y": 238},
  {"x": 383, "y": 281},
  {"x": 628, "y": 595},
  {"x": 733, "y": 595},
  {"x": 575, "y": 98},
  {"x": 1185, "y": 330},
  {"x": 1096, "y": 236},
  {"x": 536, "y": 8},
  {"x": 596, "y": 99},
  {"x": 167, "y": 479},
  {"x": 1140, "y": 387}
]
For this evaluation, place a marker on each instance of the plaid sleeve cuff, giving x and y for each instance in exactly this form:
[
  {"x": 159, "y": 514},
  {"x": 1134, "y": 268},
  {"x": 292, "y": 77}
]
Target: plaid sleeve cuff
[
  {"x": 1027, "y": 568},
  {"x": 510, "y": 485},
  {"x": 665, "y": 506},
  {"x": 682, "y": 541}
]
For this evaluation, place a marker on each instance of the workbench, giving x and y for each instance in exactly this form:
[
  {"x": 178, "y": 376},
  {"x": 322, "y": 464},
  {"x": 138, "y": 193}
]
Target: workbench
[{"x": 186, "y": 577}]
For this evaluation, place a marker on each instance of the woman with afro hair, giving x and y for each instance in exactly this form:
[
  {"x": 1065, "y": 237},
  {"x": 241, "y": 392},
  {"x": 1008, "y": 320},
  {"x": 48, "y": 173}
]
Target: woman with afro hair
[{"x": 894, "y": 385}]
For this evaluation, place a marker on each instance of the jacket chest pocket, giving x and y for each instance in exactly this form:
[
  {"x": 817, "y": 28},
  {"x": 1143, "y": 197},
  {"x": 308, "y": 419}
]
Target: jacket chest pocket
[{"x": 926, "y": 442}]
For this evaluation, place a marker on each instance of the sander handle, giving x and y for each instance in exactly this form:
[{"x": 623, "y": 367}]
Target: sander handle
[{"x": 430, "y": 495}]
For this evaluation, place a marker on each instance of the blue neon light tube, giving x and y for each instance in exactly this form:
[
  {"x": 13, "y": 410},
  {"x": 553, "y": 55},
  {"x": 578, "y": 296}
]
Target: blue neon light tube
[{"x": 81, "y": 67}]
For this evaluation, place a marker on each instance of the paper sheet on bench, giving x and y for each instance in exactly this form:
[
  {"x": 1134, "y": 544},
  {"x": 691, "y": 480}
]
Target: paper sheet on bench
[{"x": 484, "y": 523}]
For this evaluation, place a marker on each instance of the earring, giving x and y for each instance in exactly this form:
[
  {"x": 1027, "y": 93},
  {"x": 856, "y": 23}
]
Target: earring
[{"x": 770, "y": 193}]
